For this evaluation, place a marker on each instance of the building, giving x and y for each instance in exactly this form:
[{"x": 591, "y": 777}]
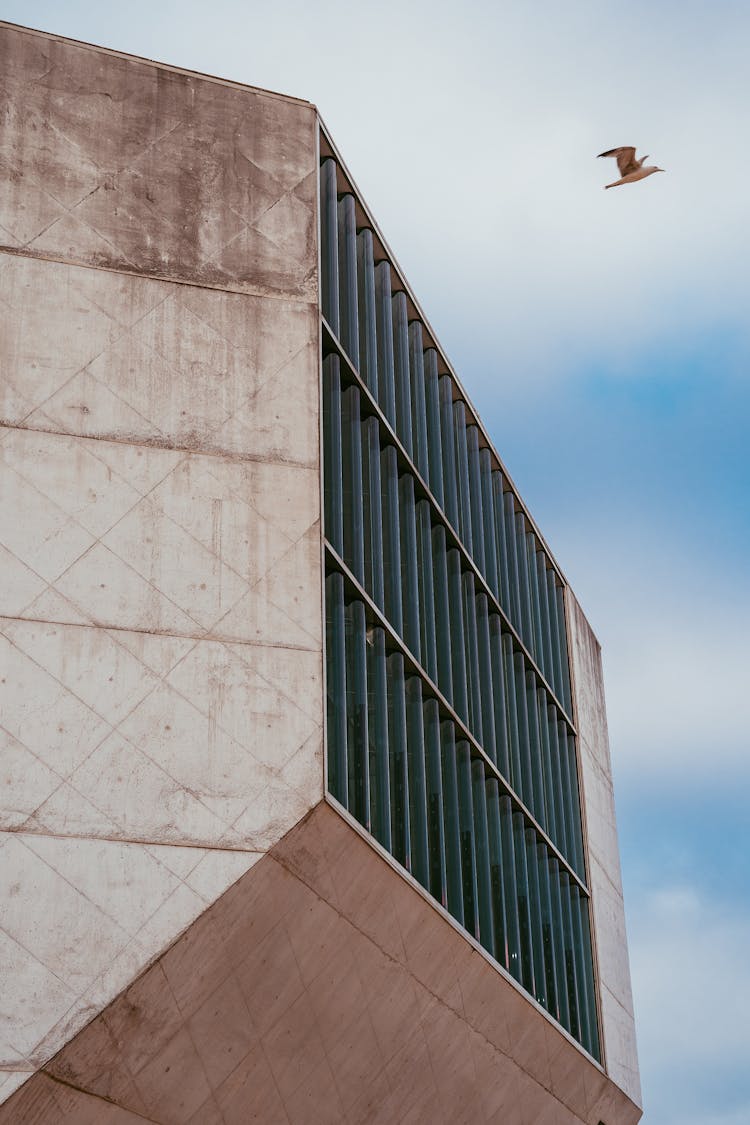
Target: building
[{"x": 207, "y": 917}]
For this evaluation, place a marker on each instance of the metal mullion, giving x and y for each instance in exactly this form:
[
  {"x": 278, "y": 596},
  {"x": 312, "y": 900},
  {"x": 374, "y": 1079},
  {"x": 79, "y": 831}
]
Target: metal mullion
[
  {"x": 369, "y": 404},
  {"x": 462, "y": 731}
]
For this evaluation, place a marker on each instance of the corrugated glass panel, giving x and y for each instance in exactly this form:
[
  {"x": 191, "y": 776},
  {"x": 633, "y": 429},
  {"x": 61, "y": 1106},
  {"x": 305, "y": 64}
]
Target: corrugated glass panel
[
  {"x": 535, "y": 743},
  {"x": 349, "y": 318},
  {"x": 380, "y": 771},
  {"x": 537, "y": 645},
  {"x": 525, "y": 626},
  {"x": 417, "y": 782},
  {"x": 468, "y": 838},
  {"x": 420, "y": 444},
  {"x": 514, "y": 588},
  {"x": 510, "y": 881},
  {"x": 373, "y": 512},
  {"x": 399, "y": 763},
  {"x": 442, "y": 612},
  {"x": 563, "y": 645},
  {"x": 488, "y": 521},
  {"x": 474, "y": 690},
  {"x": 486, "y": 686},
  {"x": 558, "y": 786},
  {"x": 486, "y": 932},
  {"x": 575, "y": 811},
  {"x": 457, "y": 635},
  {"x": 557, "y": 655},
  {"x": 396, "y": 759},
  {"x": 438, "y": 884},
  {"x": 333, "y": 479},
  {"x": 497, "y": 876},
  {"x": 434, "y": 439},
  {"x": 401, "y": 368},
  {"x": 545, "y": 661},
  {"x": 524, "y": 740},
  {"x": 475, "y": 497},
  {"x": 336, "y": 688},
  {"x": 571, "y": 965},
  {"x": 548, "y": 930},
  {"x": 450, "y": 485},
  {"x": 391, "y": 539},
  {"x": 524, "y": 906},
  {"x": 384, "y": 334},
  {"x": 357, "y": 740},
  {"x": 558, "y": 932},
  {"x": 550, "y": 819},
  {"x": 354, "y": 529},
  {"x": 535, "y": 911},
  {"x": 451, "y": 821},
  {"x": 502, "y": 550},
  {"x": 462, "y": 474},
  {"x": 516, "y": 777},
  {"x": 425, "y": 575},
  {"x": 582, "y": 975},
  {"x": 368, "y": 340},
  {"x": 500, "y": 701},
  {"x": 329, "y": 254},
  {"x": 409, "y": 579},
  {"x": 588, "y": 975}
]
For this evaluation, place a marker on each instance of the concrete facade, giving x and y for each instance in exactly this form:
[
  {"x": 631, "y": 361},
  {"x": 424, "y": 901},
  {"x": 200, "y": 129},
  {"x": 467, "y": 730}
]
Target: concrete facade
[
  {"x": 605, "y": 881},
  {"x": 161, "y": 667},
  {"x": 321, "y": 988},
  {"x": 160, "y": 637}
]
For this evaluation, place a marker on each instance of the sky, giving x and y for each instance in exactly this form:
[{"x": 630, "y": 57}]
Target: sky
[{"x": 604, "y": 339}]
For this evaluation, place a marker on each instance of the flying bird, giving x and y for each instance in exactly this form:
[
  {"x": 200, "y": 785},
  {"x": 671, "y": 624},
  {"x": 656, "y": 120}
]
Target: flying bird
[{"x": 630, "y": 168}]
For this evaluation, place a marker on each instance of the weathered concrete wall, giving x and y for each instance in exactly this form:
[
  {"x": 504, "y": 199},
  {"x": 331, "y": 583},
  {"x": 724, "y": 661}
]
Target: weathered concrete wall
[
  {"x": 321, "y": 988},
  {"x": 621, "y": 1056},
  {"x": 160, "y": 617}
]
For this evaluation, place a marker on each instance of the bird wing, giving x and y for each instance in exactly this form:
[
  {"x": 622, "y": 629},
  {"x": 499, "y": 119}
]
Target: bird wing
[{"x": 626, "y": 161}]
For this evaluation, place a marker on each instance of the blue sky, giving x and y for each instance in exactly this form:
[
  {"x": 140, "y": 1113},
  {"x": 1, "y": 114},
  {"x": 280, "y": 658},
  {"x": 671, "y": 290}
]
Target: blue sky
[{"x": 604, "y": 338}]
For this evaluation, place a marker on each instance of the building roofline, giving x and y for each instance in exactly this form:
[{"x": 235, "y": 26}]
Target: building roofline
[{"x": 126, "y": 55}]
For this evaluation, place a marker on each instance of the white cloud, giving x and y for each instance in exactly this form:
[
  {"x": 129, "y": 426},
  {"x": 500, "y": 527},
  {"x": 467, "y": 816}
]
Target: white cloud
[
  {"x": 472, "y": 130},
  {"x": 691, "y": 981},
  {"x": 673, "y": 619}
]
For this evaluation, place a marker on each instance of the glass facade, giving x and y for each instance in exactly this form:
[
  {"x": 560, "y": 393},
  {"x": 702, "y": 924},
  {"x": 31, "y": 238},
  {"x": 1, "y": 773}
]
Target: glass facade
[{"x": 449, "y": 715}]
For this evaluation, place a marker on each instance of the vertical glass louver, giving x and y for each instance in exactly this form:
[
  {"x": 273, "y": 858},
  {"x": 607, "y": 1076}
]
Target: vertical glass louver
[{"x": 450, "y": 735}]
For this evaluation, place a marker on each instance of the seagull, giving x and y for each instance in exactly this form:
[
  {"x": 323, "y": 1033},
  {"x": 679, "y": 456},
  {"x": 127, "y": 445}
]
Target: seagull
[{"x": 630, "y": 168}]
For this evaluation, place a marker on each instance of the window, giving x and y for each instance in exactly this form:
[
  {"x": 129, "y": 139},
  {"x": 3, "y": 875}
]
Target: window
[{"x": 450, "y": 734}]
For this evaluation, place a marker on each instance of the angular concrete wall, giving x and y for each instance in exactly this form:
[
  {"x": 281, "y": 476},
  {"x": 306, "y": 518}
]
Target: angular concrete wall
[
  {"x": 160, "y": 616},
  {"x": 321, "y": 988},
  {"x": 608, "y": 912}
]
